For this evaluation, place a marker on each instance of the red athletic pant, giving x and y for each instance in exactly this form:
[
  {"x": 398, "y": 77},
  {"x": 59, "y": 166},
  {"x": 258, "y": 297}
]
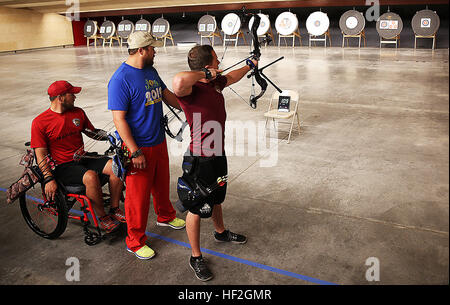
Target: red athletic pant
[{"x": 140, "y": 184}]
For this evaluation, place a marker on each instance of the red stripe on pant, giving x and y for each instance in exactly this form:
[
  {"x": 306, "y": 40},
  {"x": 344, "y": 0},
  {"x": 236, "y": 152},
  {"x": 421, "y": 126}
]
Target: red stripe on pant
[{"x": 153, "y": 180}]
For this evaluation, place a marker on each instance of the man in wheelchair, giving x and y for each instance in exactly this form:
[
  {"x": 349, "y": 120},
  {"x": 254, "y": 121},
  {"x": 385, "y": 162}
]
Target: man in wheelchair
[{"x": 56, "y": 135}]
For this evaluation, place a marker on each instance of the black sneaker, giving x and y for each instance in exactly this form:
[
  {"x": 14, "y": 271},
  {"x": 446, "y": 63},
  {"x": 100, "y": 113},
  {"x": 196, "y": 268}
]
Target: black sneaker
[
  {"x": 227, "y": 236},
  {"x": 202, "y": 271}
]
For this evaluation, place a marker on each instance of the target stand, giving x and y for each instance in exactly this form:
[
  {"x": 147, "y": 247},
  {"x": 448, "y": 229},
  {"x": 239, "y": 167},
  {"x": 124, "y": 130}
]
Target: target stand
[
  {"x": 94, "y": 38},
  {"x": 234, "y": 37},
  {"x": 395, "y": 40},
  {"x": 270, "y": 33},
  {"x": 321, "y": 38},
  {"x": 361, "y": 35},
  {"x": 111, "y": 40},
  {"x": 294, "y": 34},
  {"x": 210, "y": 37},
  {"x": 429, "y": 37},
  {"x": 168, "y": 36}
]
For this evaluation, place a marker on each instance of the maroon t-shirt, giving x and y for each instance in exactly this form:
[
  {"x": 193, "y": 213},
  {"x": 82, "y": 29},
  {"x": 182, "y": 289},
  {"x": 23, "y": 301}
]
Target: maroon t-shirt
[
  {"x": 205, "y": 113},
  {"x": 60, "y": 133}
]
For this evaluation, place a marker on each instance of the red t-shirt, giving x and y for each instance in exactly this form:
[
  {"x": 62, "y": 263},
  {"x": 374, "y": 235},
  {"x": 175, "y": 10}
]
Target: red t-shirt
[
  {"x": 60, "y": 133},
  {"x": 205, "y": 111}
]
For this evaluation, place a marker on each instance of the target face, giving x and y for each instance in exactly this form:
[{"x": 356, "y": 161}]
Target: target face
[
  {"x": 231, "y": 24},
  {"x": 264, "y": 24},
  {"x": 425, "y": 23},
  {"x": 286, "y": 23},
  {"x": 317, "y": 23},
  {"x": 388, "y": 24}
]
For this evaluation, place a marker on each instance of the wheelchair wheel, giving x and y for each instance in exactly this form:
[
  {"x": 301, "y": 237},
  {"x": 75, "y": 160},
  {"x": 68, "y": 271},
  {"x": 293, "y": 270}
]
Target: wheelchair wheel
[{"x": 48, "y": 220}]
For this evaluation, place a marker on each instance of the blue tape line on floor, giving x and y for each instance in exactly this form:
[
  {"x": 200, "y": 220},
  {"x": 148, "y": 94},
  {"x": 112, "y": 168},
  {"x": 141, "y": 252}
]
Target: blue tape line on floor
[{"x": 226, "y": 256}]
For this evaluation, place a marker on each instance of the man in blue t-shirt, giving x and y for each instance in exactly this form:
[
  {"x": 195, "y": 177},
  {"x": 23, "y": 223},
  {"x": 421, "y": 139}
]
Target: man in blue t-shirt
[{"x": 135, "y": 96}]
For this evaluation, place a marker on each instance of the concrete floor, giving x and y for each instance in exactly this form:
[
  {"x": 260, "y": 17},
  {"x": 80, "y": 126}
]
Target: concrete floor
[{"x": 367, "y": 176}]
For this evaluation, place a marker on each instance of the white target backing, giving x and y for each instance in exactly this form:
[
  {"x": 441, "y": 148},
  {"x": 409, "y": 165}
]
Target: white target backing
[
  {"x": 264, "y": 25},
  {"x": 231, "y": 24},
  {"x": 317, "y": 23},
  {"x": 286, "y": 23}
]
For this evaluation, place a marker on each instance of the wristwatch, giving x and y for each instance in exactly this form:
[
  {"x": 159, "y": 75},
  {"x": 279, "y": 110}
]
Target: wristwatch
[
  {"x": 137, "y": 153},
  {"x": 208, "y": 74}
]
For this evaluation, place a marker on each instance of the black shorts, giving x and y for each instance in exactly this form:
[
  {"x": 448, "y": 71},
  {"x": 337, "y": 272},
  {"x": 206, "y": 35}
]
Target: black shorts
[
  {"x": 206, "y": 170},
  {"x": 71, "y": 173}
]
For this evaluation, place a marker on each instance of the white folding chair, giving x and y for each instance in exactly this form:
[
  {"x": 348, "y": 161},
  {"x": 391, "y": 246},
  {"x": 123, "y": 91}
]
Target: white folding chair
[{"x": 291, "y": 115}]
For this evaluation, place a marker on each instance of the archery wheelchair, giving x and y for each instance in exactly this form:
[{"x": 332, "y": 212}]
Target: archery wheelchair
[{"x": 49, "y": 219}]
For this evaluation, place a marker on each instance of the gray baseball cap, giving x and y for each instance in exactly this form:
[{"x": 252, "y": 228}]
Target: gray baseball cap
[{"x": 142, "y": 39}]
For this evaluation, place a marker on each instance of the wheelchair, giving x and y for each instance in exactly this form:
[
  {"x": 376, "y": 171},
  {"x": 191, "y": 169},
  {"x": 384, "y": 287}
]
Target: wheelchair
[{"x": 49, "y": 219}]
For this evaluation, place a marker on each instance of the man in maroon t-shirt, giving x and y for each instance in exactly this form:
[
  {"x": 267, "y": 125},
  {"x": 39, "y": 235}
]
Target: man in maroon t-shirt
[
  {"x": 199, "y": 93},
  {"x": 58, "y": 132}
]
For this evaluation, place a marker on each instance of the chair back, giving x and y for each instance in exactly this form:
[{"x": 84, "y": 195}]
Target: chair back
[{"x": 292, "y": 93}]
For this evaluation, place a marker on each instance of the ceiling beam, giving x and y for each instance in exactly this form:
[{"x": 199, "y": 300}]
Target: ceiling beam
[{"x": 253, "y": 6}]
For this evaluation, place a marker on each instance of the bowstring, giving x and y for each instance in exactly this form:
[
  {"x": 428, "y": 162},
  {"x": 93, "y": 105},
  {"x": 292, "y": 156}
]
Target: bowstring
[
  {"x": 252, "y": 91},
  {"x": 81, "y": 152}
]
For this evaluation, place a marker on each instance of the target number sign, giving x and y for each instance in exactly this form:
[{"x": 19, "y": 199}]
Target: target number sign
[{"x": 283, "y": 103}]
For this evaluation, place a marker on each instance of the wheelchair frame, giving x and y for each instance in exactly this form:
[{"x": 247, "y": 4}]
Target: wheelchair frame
[{"x": 62, "y": 210}]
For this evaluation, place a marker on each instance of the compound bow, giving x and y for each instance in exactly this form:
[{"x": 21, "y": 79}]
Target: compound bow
[{"x": 260, "y": 78}]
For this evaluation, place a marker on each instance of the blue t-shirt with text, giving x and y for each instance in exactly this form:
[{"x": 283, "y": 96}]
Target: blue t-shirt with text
[{"x": 139, "y": 93}]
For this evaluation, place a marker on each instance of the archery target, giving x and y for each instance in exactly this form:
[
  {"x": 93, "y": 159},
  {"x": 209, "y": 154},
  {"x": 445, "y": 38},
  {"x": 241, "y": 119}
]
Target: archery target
[
  {"x": 317, "y": 23},
  {"x": 264, "y": 24},
  {"x": 125, "y": 28},
  {"x": 286, "y": 23},
  {"x": 389, "y": 25},
  {"x": 352, "y": 22},
  {"x": 90, "y": 28},
  {"x": 142, "y": 25},
  {"x": 207, "y": 25},
  {"x": 107, "y": 29},
  {"x": 425, "y": 23},
  {"x": 231, "y": 24},
  {"x": 160, "y": 27}
]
